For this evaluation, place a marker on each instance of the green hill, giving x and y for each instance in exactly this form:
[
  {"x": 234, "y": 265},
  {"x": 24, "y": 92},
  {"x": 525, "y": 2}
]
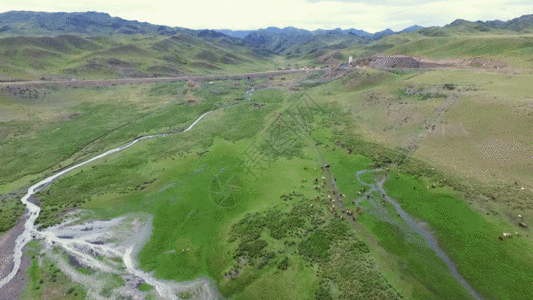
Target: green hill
[{"x": 124, "y": 56}]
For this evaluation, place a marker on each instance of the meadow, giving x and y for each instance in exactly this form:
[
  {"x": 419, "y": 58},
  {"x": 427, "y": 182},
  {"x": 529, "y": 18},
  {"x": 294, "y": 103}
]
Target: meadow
[
  {"x": 173, "y": 179},
  {"x": 466, "y": 209},
  {"x": 47, "y": 280},
  {"x": 234, "y": 199},
  {"x": 135, "y": 56}
]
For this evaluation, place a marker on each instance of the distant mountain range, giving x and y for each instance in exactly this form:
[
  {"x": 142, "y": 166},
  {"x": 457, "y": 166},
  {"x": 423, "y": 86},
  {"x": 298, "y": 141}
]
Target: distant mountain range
[
  {"x": 522, "y": 24},
  {"x": 272, "y": 40},
  {"x": 288, "y": 41},
  {"x": 29, "y": 23},
  {"x": 295, "y": 41},
  {"x": 295, "y": 31}
]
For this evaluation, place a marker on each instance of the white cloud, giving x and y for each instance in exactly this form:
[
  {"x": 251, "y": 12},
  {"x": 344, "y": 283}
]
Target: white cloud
[{"x": 238, "y": 14}]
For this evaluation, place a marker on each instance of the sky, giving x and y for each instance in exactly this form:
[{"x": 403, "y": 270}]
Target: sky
[{"x": 368, "y": 15}]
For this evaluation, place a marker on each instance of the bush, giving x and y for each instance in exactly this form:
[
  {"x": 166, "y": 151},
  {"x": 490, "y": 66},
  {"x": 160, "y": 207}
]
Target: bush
[{"x": 284, "y": 264}]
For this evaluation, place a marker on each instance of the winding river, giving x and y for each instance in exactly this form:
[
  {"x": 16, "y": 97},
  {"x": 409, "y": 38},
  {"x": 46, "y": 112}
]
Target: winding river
[
  {"x": 34, "y": 210},
  {"x": 428, "y": 237}
]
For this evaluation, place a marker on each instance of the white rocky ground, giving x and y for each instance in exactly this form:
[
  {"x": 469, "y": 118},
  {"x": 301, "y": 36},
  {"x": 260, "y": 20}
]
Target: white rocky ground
[{"x": 94, "y": 245}]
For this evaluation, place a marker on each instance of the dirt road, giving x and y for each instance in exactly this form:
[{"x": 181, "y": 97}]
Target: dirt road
[{"x": 107, "y": 82}]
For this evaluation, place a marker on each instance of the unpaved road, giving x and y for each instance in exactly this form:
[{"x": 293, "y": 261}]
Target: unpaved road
[{"x": 107, "y": 82}]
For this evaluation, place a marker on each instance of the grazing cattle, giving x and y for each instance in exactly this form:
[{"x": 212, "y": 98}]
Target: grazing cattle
[
  {"x": 500, "y": 238},
  {"x": 520, "y": 216},
  {"x": 507, "y": 235},
  {"x": 312, "y": 205},
  {"x": 324, "y": 178},
  {"x": 522, "y": 224}
]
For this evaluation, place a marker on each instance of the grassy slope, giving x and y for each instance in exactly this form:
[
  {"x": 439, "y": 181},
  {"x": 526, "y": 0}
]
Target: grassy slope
[
  {"x": 377, "y": 140},
  {"x": 471, "y": 240},
  {"x": 119, "y": 56},
  {"x": 186, "y": 217},
  {"x": 447, "y": 212},
  {"x": 512, "y": 48}
]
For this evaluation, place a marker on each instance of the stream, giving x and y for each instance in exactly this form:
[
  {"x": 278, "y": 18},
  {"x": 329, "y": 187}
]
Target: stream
[
  {"x": 128, "y": 255},
  {"x": 415, "y": 226},
  {"x": 34, "y": 210}
]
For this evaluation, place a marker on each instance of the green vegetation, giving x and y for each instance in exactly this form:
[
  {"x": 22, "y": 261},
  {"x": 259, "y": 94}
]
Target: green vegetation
[
  {"x": 509, "y": 49},
  {"x": 185, "y": 295},
  {"x": 477, "y": 249},
  {"x": 47, "y": 281},
  {"x": 112, "y": 281},
  {"x": 446, "y": 212},
  {"x": 194, "y": 159},
  {"x": 308, "y": 233},
  {"x": 241, "y": 199},
  {"x": 145, "y": 287},
  {"x": 10, "y": 211},
  {"x": 124, "y": 56}
]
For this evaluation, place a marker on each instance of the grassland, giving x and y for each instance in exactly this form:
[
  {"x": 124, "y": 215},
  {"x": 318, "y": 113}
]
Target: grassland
[
  {"x": 123, "y": 56},
  {"x": 47, "y": 281},
  {"x": 480, "y": 207},
  {"x": 249, "y": 225},
  {"x": 163, "y": 177},
  {"x": 495, "y": 50},
  {"x": 10, "y": 211}
]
